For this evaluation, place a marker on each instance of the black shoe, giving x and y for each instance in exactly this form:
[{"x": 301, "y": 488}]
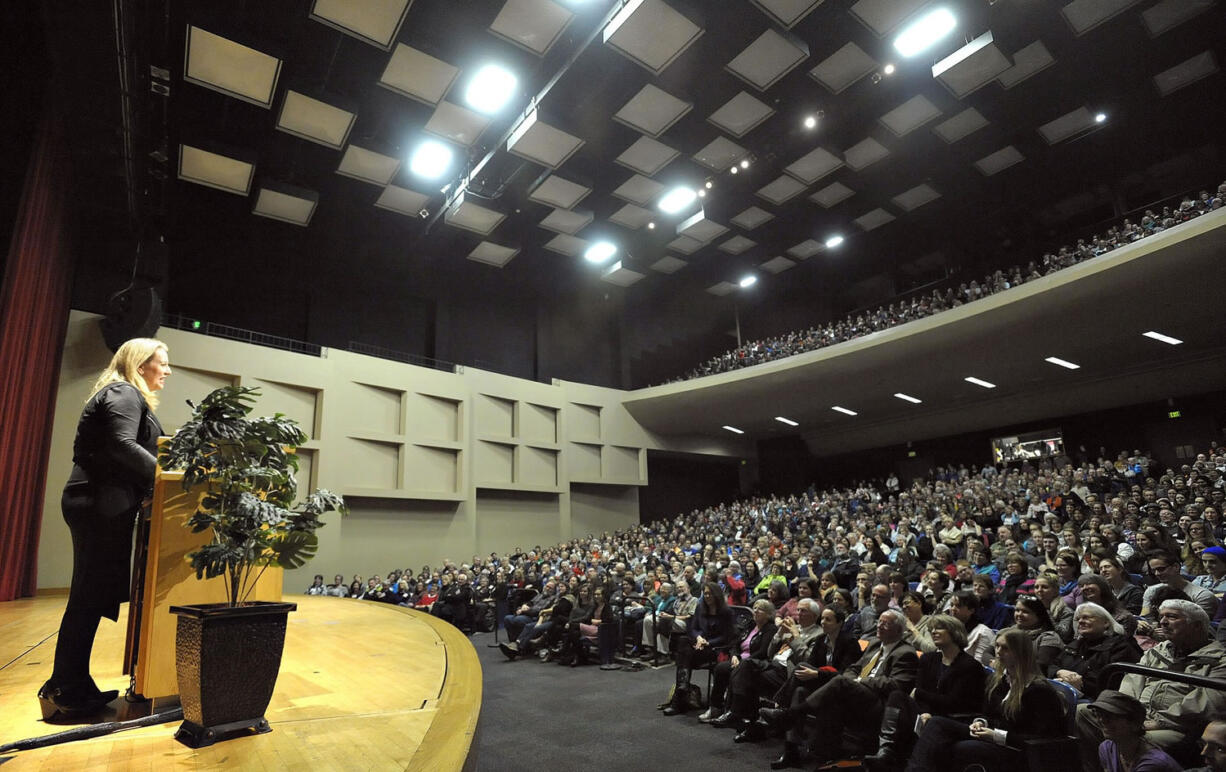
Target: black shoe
[
  {"x": 778, "y": 718},
  {"x": 725, "y": 720},
  {"x": 709, "y": 715},
  {"x": 673, "y": 710},
  {"x": 752, "y": 733},
  {"x": 74, "y": 701},
  {"x": 507, "y": 649},
  {"x": 790, "y": 757}
]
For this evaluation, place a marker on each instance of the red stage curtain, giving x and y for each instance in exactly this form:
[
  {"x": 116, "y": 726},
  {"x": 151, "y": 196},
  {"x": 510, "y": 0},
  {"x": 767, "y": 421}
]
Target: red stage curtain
[{"x": 34, "y": 304}]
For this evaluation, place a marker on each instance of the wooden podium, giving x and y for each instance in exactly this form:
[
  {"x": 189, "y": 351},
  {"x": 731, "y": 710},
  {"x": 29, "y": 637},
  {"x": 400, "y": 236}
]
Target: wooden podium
[{"x": 168, "y": 580}]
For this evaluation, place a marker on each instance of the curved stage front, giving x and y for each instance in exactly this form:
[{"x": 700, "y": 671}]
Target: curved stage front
[{"x": 363, "y": 685}]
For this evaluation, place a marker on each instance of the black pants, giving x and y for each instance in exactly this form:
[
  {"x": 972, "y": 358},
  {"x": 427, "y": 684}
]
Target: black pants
[
  {"x": 842, "y": 703},
  {"x": 946, "y": 744}
]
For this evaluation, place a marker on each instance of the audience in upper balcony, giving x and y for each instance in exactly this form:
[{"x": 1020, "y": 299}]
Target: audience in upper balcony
[{"x": 920, "y": 306}]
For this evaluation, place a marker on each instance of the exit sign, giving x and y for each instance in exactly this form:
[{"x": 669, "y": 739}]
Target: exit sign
[
  {"x": 910, "y": 454},
  {"x": 1175, "y": 414}
]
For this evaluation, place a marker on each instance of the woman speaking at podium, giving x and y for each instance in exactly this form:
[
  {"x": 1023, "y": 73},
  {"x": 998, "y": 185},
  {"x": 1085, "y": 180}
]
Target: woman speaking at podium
[{"x": 114, "y": 459}]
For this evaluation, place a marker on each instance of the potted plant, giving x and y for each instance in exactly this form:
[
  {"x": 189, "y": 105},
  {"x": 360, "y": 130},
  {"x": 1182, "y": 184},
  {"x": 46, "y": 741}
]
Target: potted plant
[{"x": 228, "y": 654}]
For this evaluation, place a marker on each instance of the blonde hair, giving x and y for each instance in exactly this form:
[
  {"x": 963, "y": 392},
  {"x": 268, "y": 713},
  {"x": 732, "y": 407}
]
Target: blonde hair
[
  {"x": 125, "y": 367},
  {"x": 1025, "y": 671}
]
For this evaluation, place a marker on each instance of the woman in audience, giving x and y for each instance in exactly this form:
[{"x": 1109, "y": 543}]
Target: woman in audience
[
  {"x": 777, "y": 593},
  {"x": 751, "y": 576},
  {"x": 981, "y": 562},
  {"x": 917, "y": 610},
  {"x": 1100, "y": 641},
  {"x": 827, "y": 586},
  {"x": 1016, "y": 578},
  {"x": 1213, "y": 559},
  {"x": 1030, "y": 616},
  {"x": 992, "y": 612},
  {"x": 752, "y": 646},
  {"x": 1096, "y": 589},
  {"x": 949, "y": 682},
  {"x": 805, "y": 588},
  {"x": 1020, "y": 705},
  {"x": 1127, "y": 594},
  {"x": 1068, "y": 568},
  {"x": 710, "y": 628},
  {"x": 1047, "y": 590}
]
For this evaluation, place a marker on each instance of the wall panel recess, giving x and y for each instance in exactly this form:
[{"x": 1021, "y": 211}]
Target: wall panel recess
[
  {"x": 493, "y": 462},
  {"x": 296, "y": 402},
  {"x": 375, "y": 409},
  {"x": 428, "y": 417},
  {"x": 583, "y": 422},
  {"x": 495, "y": 417},
  {"x": 374, "y": 464},
  {"x": 537, "y": 423},
  {"x": 431, "y": 470},
  {"x": 583, "y": 461},
  {"x": 621, "y": 463}
]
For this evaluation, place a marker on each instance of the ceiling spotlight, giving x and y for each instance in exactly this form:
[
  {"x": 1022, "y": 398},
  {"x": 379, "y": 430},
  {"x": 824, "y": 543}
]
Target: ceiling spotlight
[
  {"x": 710, "y": 184},
  {"x": 748, "y": 281},
  {"x": 810, "y": 122},
  {"x": 925, "y": 32},
  {"x": 490, "y": 89},
  {"x": 676, "y": 200},
  {"x": 735, "y": 169},
  {"x": 600, "y": 252},
  {"x": 1100, "y": 118},
  {"x": 888, "y": 69},
  {"x": 745, "y": 163},
  {"x": 431, "y": 160},
  {"x": 702, "y": 192},
  {"x": 651, "y": 226},
  {"x": 834, "y": 241}
]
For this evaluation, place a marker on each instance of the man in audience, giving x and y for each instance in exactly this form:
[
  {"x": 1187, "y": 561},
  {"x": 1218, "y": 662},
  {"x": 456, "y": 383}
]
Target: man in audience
[
  {"x": 1213, "y": 747},
  {"x": 854, "y": 699},
  {"x": 520, "y": 624},
  {"x": 1164, "y": 566},
  {"x": 879, "y": 602},
  {"x": 1175, "y": 713}
]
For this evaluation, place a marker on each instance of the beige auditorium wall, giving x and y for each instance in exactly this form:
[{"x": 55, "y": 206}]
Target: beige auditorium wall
[{"x": 433, "y": 464}]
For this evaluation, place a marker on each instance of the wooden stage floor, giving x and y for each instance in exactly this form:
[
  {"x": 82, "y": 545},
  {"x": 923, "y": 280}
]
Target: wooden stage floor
[{"x": 363, "y": 686}]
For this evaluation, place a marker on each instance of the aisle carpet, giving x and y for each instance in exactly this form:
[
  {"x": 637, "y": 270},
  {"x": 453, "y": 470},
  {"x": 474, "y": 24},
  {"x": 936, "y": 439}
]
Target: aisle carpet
[{"x": 538, "y": 717}]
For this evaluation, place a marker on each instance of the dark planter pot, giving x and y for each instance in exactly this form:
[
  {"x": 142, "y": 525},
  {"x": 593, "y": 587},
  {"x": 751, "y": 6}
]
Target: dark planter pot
[{"x": 227, "y": 661}]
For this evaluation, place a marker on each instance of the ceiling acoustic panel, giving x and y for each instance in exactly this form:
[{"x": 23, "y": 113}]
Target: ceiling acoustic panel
[
  {"x": 558, "y": 192},
  {"x": 227, "y": 172},
  {"x": 737, "y": 244},
  {"x": 493, "y": 254},
  {"x": 777, "y": 265},
  {"x": 865, "y": 153},
  {"x": 1071, "y": 124},
  {"x": 533, "y": 25},
  {"x": 787, "y": 13},
  {"x": 843, "y": 68},
  {"x": 961, "y": 125},
  {"x": 685, "y": 245},
  {"x": 368, "y": 166},
  {"x": 814, "y": 165},
  {"x": 418, "y": 75},
  {"x": 631, "y": 216},
  {"x": 567, "y": 221},
  {"x": 972, "y": 67},
  {"x": 882, "y": 16},
  {"x": 752, "y": 218},
  {"x": 568, "y": 245},
  {"x": 474, "y": 217},
  {"x": 647, "y": 156},
  {"x": 832, "y": 194},
  {"x": 376, "y": 22},
  {"x": 1085, "y": 15},
  {"x": 873, "y": 220},
  {"x": 1028, "y": 62},
  {"x": 720, "y": 154},
  {"x": 456, "y": 124},
  {"x": 721, "y": 289},
  {"x": 652, "y": 111},
  {"x": 287, "y": 203},
  {"x": 741, "y": 114},
  {"x": 537, "y": 141},
  {"x": 650, "y": 33},
  {"x": 620, "y": 275},
  {"x": 228, "y": 67},
  {"x": 916, "y": 197},
  {"x": 668, "y": 264},
  {"x": 1185, "y": 73},
  {"x": 314, "y": 120},
  {"x": 781, "y": 189},
  {"x": 639, "y": 190},
  {"x": 407, "y": 202},
  {"x": 805, "y": 249},
  {"x": 767, "y": 59},
  {"x": 910, "y": 115},
  {"x": 701, "y": 228},
  {"x": 1169, "y": 14},
  {"x": 997, "y": 162}
]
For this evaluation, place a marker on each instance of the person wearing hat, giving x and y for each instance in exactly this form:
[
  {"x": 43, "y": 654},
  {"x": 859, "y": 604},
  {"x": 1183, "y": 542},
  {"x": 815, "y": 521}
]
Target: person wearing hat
[
  {"x": 1214, "y": 578},
  {"x": 1126, "y": 749}
]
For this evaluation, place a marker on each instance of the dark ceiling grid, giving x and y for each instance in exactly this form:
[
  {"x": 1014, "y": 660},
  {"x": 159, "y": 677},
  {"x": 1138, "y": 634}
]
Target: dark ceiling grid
[{"x": 1112, "y": 63}]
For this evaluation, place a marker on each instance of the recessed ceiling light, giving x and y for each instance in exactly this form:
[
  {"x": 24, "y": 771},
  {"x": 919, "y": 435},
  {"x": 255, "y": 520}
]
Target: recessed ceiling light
[
  {"x": 810, "y": 122},
  {"x": 676, "y": 200},
  {"x": 702, "y": 192},
  {"x": 600, "y": 252},
  {"x": 888, "y": 69},
  {"x": 735, "y": 170},
  {"x": 745, "y": 164},
  {"x": 651, "y": 226},
  {"x": 925, "y": 32},
  {"x": 1100, "y": 118},
  {"x": 908, "y": 398},
  {"x": 748, "y": 281},
  {"x": 431, "y": 160},
  {"x": 843, "y": 410},
  {"x": 1062, "y": 363},
  {"x": 834, "y": 241},
  {"x": 787, "y": 421},
  {"x": 710, "y": 185},
  {"x": 733, "y": 429},
  {"x": 490, "y": 89},
  {"x": 1164, "y": 338},
  {"x": 979, "y": 382}
]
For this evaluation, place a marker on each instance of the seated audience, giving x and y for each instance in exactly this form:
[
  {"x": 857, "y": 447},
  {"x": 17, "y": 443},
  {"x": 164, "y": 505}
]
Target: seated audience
[
  {"x": 1128, "y": 594},
  {"x": 1125, "y": 748},
  {"x": 752, "y": 647},
  {"x": 1164, "y": 567},
  {"x": 981, "y": 639},
  {"x": 710, "y": 628},
  {"x": 1100, "y": 641}
]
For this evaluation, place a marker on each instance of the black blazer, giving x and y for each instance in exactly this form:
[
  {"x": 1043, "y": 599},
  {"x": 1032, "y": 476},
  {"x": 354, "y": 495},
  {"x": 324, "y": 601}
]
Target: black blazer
[
  {"x": 114, "y": 454},
  {"x": 1041, "y": 715},
  {"x": 958, "y": 690},
  {"x": 846, "y": 651},
  {"x": 761, "y": 643}
]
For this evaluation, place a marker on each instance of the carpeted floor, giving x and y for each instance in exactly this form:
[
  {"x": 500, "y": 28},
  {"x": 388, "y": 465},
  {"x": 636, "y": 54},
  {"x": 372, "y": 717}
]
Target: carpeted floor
[{"x": 538, "y": 717}]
